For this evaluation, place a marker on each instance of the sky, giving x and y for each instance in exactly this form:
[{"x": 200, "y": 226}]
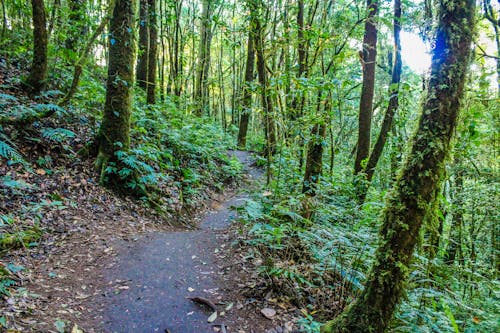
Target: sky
[{"x": 414, "y": 52}]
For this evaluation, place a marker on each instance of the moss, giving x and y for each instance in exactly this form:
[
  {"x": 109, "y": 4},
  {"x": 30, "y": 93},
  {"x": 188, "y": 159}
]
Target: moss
[
  {"x": 114, "y": 133},
  {"x": 19, "y": 239},
  {"x": 418, "y": 183}
]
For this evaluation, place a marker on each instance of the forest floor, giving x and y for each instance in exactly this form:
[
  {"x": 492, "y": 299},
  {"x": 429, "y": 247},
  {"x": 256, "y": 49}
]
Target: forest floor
[{"x": 111, "y": 266}]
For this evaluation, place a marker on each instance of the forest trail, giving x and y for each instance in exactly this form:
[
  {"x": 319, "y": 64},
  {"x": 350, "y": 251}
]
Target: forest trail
[{"x": 157, "y": 272}]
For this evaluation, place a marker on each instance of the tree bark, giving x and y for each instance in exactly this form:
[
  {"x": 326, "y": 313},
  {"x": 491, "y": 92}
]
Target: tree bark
[
  {"x": 152, "y": 52},
  {"x": 393, "y": 102},
  {"x": 143, "y": 59},
  {"x": 76, "y": 25},
  {"x": 415, "y": 188},
  {"x": 314, "y": 161},
  {"x": 38, "y": 73},
  {"x": 246, "y": 102},
  {"x": 267, "y": 104},
  {"x": 114, "y": 134},
  {"x": 368, "y": 61},
  {"x": 77, "y": 72},
  {"x": 201, "y": 89}
]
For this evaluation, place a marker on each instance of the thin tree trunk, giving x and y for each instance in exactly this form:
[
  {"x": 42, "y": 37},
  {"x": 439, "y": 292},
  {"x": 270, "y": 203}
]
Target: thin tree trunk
[
  {"x": 368, "y": 61},
  {"x": 38, "y": 73},
  {"x": 393, "y": 102},
  {"x": 201, "y": 89},
  {"x": 314, "y": 160},
  {"x": 85, "y": 54},
  {"x": 267, "y": 104},
  {"x": 152, "y": 52},
  {"x": 414, "y": 191},
  {"x": 142, "y": 60},
  {"x": 246, "y": 102},
  {"x": 76, "y": 25}
]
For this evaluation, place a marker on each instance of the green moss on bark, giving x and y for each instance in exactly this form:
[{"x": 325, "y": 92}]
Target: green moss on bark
[
  {"x": 420, "y": 177},
  {"x": 114, "y": 133}
]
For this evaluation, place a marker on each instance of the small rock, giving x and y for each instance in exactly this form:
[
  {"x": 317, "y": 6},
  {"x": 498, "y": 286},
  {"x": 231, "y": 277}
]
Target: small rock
[{"x": 268, "y": 313}]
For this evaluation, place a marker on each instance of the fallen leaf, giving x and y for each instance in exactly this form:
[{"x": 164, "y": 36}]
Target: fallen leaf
[
  {"x": 229, "y": 306},
  {"x": 268, "y": 313},
  {"x": 212, "y": 317}
]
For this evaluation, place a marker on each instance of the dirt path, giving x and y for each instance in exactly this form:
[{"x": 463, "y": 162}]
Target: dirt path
[{"x": 155, "y": 274}]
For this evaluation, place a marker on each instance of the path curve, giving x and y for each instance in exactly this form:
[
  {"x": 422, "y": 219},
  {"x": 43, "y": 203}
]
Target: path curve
[{"x": 154, "y": 275}]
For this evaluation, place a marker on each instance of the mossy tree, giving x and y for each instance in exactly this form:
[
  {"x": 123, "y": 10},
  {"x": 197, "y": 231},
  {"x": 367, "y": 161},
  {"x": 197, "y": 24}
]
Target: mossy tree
[
  {"x": 414, "y": 191},
  {"x": 246, "y": 101},
  {"x": 142, "y": 59},
  {"x": 115, "y": 127},
  {"x": 152, "y": 52},
  {"x": 38, "y": 73}
]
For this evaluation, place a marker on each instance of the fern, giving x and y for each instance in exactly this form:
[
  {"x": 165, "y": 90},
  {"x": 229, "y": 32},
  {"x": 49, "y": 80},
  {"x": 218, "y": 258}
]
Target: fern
[
  {"x": 8, "y": 152},
  {"x": 57, "y": 134},
  {"x": 6, "y": 99}
]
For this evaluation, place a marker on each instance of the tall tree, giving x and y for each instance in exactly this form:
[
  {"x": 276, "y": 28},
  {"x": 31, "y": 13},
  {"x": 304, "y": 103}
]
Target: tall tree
[
  {"x": 368, "y": 60},
  {"x": 493, "y": 16},
  {"x": 38, "y": 72},
  {"x": 114, "y": 133},
  {"x": 414, "y": 191},
  {"x": 152, "y": 52},
  {"x": 267, "y": 102},
  {"x": 77, "y": 72},
  {"x": 76, "y": 24},
  {"x": 143, "y": 59},
  {"x": 392, "y": 107},
  {"x": 201, "y": 87},
  {"x": 246, "y": 101}
]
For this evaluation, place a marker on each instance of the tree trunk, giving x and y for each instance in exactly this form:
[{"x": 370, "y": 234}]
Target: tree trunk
[
  {"x": 38, "y": 73},
  {"x": 454, "y": 240},
  {"x": 115, "y": 127},
  {"x": 267, "y": 104},
  {"x": 415, "y": 188},
  {"x": 368, "y": 60},
  {"x": 393, "y": 102},
  {"x": 494, "y": 18},
  {"x": 201, "y": 89},
  {"x": 85, "y": 54},
  {"x": 76, "y": 25},
  {"x": 142, "y": 60},
  {"x": 246, "y": 102},
  {"x": 314, "y": 162},
  {"x": 152, "y": 52}
]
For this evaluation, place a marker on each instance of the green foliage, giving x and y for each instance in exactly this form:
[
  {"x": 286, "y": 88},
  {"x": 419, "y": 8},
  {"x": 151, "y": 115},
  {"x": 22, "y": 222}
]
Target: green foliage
[{"x": 171, "y": 150}]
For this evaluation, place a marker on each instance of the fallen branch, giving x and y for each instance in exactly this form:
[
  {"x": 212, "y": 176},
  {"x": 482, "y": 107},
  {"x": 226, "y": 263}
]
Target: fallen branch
[{"x": 204, "y": 301}]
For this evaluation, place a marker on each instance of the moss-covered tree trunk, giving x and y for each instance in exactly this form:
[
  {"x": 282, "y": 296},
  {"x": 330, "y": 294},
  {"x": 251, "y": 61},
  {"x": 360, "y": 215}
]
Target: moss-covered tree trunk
[
  {"x": 115, "y": 127},
  {"x": 152, "y": 52},
  {"x": 415, "y": 188},
  {"x": 201, "y": 84},
  {"x": 267, "y": 103},
  {"x": 38, "y": 72},
  {"x": 368, "y": 61},
  {"x": 246, "y": 102},
  {"x": 76, "y": 25},
  {"x": 142, "y": 60}
]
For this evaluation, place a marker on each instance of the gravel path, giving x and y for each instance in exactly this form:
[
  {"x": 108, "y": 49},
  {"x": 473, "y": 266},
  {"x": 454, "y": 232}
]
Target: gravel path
[{"x": 155, "y": 274}]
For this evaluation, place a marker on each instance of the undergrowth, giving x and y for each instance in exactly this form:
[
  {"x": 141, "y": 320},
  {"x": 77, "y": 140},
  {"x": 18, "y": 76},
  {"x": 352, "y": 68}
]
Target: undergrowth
[{"x": 320, "y": 265}]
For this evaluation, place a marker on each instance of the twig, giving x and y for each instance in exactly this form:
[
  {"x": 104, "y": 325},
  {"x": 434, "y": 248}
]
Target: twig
[{"x": 205, "y": 301}]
